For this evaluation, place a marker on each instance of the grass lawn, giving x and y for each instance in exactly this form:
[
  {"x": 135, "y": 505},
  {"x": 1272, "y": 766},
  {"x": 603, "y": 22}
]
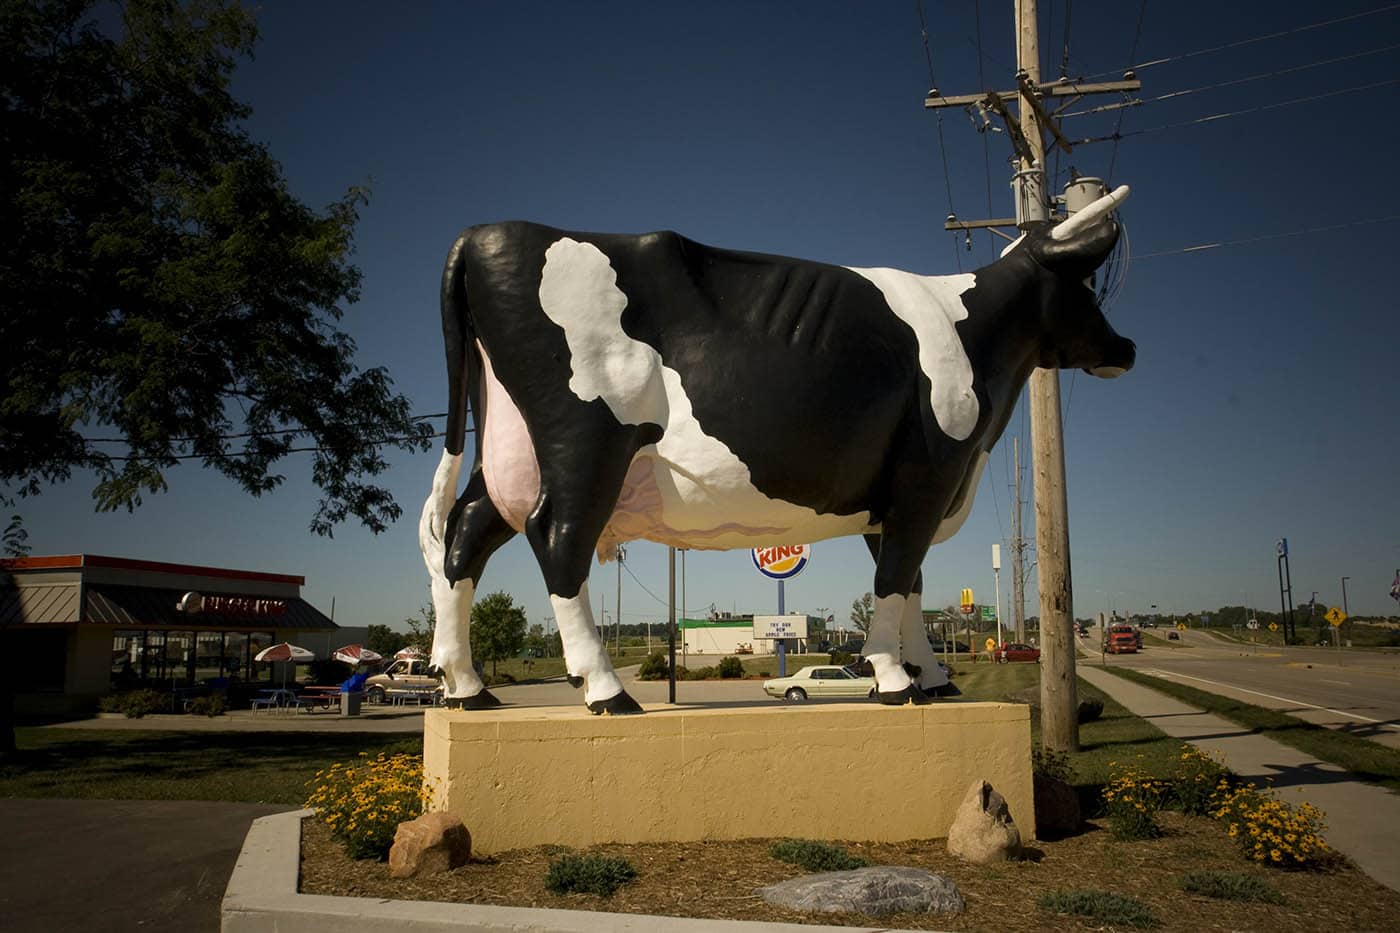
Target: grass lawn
[
  {"x": 267, "y": 767},
  {"x": 1369, "y": 761}
]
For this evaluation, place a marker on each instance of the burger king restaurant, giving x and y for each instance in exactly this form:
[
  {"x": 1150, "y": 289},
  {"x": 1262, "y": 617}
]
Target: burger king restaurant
[{"x": 76, "y": 627}]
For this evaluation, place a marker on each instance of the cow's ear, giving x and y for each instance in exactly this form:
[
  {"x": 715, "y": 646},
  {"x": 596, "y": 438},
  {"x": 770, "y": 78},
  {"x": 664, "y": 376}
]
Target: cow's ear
[{"x": 1080, "y": 255}]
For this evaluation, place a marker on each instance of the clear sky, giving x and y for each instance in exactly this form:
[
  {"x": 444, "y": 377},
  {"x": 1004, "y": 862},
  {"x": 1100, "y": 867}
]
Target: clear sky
[{"x": 1265, "y": 395}]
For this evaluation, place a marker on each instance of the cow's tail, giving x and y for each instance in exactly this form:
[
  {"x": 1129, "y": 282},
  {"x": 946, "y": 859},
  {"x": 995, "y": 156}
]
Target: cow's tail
[{"x": 463, "y": 372}]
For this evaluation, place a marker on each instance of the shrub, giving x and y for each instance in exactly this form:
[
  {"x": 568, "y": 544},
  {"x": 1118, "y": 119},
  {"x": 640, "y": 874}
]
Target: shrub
[
  {"x": 1270, "y": 831},
  {"x": 1051, "y": 764},
  {"x": 815, "y": 856},
  {"x": 588, "y": 874},
  {"x": 134, "y": 703},
  {"x": 362, "y": 802},
  {"x": 1195, "y": 780},
  {"x": 730, "y": 668},
  {"x": 1103, "y": 906},
  {"x": 653, "y": 667},
  {"x": 1089, "y": 710},
  {"x": 842, "y": 658},
  {"x": 1132, "y": 800},
  {"x": 210, "y": 706},
  {"x": 1230, "y": 886}
]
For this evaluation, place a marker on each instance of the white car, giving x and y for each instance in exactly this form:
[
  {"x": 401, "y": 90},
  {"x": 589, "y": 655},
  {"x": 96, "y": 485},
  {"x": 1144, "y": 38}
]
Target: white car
[{"x": 824, "y": 680}]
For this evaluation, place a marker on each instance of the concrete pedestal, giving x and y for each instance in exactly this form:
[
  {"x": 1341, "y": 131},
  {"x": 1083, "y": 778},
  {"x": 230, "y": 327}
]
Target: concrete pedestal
[{"x": 522, "y": 777}]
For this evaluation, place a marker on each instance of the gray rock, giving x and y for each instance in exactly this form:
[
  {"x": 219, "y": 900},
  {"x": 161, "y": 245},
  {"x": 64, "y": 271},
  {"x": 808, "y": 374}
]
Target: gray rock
[
  {"x": 882, "y": 889},
  {"x": 1056, "y": 808},
  {"x": 983, "y": 831}
]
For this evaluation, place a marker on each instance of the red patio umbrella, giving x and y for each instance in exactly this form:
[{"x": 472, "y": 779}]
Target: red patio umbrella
[
  {"x": 285, "y": 651},
  {"x": 409, "y": 652},
  {"x": 356, "y": 655}
]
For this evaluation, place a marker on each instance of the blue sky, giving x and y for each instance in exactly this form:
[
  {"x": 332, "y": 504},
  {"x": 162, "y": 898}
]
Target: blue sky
[{"x": 1264, "y": 399}]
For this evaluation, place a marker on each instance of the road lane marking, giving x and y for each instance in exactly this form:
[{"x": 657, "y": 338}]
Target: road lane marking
[
  {"x": 1170, "y": 674},
  {"x": 1341, "y": 683}
]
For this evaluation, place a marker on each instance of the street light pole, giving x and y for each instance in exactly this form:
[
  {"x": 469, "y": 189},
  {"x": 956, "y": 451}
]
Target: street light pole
[{"x": 1344, "y": 595}]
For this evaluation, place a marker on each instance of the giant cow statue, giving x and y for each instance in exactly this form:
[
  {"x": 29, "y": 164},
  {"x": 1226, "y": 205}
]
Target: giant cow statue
[{"x": 652, "y": 387}]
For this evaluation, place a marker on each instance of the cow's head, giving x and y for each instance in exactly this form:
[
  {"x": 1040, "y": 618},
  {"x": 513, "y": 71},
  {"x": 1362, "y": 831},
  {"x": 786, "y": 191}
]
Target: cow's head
[{"x": 1074, "y": 332}]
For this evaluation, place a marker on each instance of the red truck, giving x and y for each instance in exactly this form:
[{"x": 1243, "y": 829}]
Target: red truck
[{"x": 1121, "y": 640}]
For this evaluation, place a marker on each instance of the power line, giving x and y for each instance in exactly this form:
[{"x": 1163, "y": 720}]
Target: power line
[
  {"x": 1219, "y": 84},
  {"x": 290, "y": 450},
  {"x": 1118, "y": 128},
  {"x": 1202, "y": 247},
  {"x": 1237, "y": 113},
  {"x": 1241, "y": 42},
  {"x": 643, "y": 585},
  {"x": 942, "y": 149},
  {"x": 275, "y": 433}
]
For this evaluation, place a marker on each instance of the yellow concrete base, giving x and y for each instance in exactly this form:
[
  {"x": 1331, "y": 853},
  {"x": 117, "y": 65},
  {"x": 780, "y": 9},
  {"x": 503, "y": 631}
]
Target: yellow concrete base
[{"x": 530, "y": 776}]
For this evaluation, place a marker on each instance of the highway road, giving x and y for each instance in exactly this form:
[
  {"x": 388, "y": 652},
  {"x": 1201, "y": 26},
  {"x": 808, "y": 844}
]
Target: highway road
[{"x": 1354, "y": 691}]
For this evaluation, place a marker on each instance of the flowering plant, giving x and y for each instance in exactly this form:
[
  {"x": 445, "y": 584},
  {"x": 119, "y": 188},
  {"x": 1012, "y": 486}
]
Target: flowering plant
[
  {"x": 1269, "y": 830},
  {"x": 1132, "y": 800},
  {"x": 1194, "y": 781},
  {"x": 362, "y": 802}
]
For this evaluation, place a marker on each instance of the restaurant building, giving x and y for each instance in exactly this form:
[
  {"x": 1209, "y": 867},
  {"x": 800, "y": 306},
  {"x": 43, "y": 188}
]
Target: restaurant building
[{"x": 76, "y": 627}]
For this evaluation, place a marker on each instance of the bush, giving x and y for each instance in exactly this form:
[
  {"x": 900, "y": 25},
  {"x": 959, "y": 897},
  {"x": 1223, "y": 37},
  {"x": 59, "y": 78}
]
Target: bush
[
  {"x": 1051, "y": 764},
  {"x": 134, "y": 703},
  {"x": 815, "y": 856},
  {"x": 842, "y": 658},
  {"x": 362, "y": 802},
  {"x": 730, "y": 668},
  {"x": 1230, "y": 886},
  {"x": 1195, "y": 781},
  {"x": 1089, "y": 710},
  {"x": 210, "y": 706},
  {"x": 1269, "y": 830},
  {"x": 654, "y": 667},
  {"x": 1132, "y": 800},
  {"x": 588, "y": 874},
  {"x": 1100, "y": 905}
]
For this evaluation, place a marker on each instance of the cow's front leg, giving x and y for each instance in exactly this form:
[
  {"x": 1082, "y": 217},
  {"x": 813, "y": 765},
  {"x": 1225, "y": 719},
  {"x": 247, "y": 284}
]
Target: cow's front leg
[{"x": 920, "y": 662}]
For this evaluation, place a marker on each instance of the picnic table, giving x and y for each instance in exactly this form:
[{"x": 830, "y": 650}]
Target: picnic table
[{"x": 314, "y": 698}]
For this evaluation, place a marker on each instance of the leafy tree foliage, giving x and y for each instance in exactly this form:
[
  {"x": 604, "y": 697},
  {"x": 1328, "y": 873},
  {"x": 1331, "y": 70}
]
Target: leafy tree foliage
[
  {"x": 161, "y": 285},
  {"x": 421, "y": 628},
  {"x": 862, "y": 611},
  {"x": 498, "y": 628},
  {"x": 385, "y": 640}
]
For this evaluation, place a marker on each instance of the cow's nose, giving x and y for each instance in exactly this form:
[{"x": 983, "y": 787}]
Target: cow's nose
[{"x": 1118, "y": 361}]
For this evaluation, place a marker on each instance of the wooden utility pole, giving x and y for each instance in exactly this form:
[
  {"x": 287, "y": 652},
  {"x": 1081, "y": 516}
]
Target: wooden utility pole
[{"x": 1059, "y": 706}]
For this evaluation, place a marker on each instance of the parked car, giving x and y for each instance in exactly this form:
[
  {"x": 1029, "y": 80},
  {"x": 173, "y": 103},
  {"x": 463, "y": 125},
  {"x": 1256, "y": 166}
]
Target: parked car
[
  {"x": 1015, "y": 652},
  {"x": 409, "y": 675},
  {"x": 1173, "y": 636},
  {"x": 822, "y": 680}
]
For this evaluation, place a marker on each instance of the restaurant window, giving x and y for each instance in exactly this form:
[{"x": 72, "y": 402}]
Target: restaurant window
[
  {"x": 211, "y": 660},
  {"x": 259, "y": 670}
]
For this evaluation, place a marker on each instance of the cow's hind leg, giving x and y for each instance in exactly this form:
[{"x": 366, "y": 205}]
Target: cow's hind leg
[
  {"x": 456, "y": 551},
  {"x": 915, "y": 653},
  {"x": 578, "y": 491}
]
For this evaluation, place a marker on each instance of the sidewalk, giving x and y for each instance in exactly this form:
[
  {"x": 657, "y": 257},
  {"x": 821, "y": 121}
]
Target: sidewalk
[{"x": 1363, "y": 820}]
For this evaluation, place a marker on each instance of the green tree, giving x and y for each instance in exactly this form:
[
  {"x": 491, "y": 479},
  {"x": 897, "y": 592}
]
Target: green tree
[
  {"x": 385, "y": 640},
  {"x": 163, "y": 290},
  {"x": 421, "y": 628},
  {"x": 862, "y": 611},
  {"x": 498, "y": 628}
]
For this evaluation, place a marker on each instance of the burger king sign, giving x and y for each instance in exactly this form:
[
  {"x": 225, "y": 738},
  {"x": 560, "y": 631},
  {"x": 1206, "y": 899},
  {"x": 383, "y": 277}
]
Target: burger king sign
[{"x": 784, "y": 562}]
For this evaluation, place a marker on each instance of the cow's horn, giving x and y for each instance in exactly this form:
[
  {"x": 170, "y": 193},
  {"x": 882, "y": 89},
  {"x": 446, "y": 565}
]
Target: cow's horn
[{"x": 1089, "y": 215}]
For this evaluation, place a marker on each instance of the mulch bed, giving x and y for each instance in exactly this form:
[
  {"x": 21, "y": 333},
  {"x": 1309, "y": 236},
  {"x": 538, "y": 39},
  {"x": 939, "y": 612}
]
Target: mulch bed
[{"x": 720, "y": 880}]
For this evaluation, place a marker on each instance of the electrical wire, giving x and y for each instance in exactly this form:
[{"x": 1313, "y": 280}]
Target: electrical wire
[
  {"x": 986, "y": 143},
  {"x": 942, "y": 149},
  {"x": 1237, "y": 113},
  {"x": 1241, "y": 42},
  {"x": 644, "y": 586},
  {"x": 1202, "y": 247},
  {"x": 290, "y": 450},
  {"x": 1118, "y": 128},
  {"x": 1211, "y": 87}
]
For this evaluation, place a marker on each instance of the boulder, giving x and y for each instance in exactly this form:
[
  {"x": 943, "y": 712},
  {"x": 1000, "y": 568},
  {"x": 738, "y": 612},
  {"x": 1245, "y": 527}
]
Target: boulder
[
  {"x": 1056, "y": 808},
  {"x": 882, "y": 889},
  {"x": 983, "y": 831},
  {"x": 432, "y": 844}
]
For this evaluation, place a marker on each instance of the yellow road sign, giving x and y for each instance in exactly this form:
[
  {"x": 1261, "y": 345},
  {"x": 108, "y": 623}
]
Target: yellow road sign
[
  {"x": 1181, "y": 625},
  {"x": 1273, "y": 626},
  {"x": 1335, "y": 616}
]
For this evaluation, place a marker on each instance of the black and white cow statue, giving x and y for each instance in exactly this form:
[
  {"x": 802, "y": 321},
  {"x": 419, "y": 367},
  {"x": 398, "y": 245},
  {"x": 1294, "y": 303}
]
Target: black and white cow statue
[{"x": 652, "y": 387}]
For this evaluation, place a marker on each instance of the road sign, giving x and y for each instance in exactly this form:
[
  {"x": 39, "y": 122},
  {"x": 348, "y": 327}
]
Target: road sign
[
  {"x": 967, "y": 602},
  {"x": 989, "y": 613},
  {"x": 1181, "y": 625},
  {"x": 1253, "y": 625},
  {"x": 1273, "y": 626},
  {"x": 1335, "y": 616}
]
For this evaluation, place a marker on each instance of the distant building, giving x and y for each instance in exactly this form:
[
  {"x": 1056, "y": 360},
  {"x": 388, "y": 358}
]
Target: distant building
[{"x": 78, "y": 626}]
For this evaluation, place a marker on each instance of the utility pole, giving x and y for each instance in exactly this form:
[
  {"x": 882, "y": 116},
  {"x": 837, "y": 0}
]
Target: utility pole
[{"x": 1059, "y": 727}]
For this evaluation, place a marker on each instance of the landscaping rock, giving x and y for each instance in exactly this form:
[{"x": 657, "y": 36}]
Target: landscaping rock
[
  {"x": 882, "y": 889},
  {"x": 432, "y": 844},
  {"x": 1056, "y": 808},
  {"x": 983, "y": 831}
]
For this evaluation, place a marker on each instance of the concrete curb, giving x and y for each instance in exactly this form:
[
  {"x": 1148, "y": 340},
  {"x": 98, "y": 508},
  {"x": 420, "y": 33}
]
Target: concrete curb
[{"x": 262, "y": 897}]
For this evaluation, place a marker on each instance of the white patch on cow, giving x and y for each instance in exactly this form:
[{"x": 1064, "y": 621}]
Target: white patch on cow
[
  {"x": 432, "y": 524},
  {"x": 584, "y": 653},
  {"x": 914, "y": 646},
  {"x": 688, "y": 489},
  {"x": 882, "y": 645},
  {"x": 452, "y": 650},
  {"x": 508, "y": 462},
  {"x": 962, "y": 502},
  {"x": 931, "y": 305}
]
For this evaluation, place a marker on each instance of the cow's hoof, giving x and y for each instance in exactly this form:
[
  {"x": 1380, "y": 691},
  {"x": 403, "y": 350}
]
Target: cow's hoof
[
  {"x": 483, "y": 700},
  {"x": 910, "y": 694},
  {"x": 913, "y": 670},
  {"x": 620, "y": 705},
  {"x": 574, "y": 682},
  {"x": 942, "y": 691}
]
